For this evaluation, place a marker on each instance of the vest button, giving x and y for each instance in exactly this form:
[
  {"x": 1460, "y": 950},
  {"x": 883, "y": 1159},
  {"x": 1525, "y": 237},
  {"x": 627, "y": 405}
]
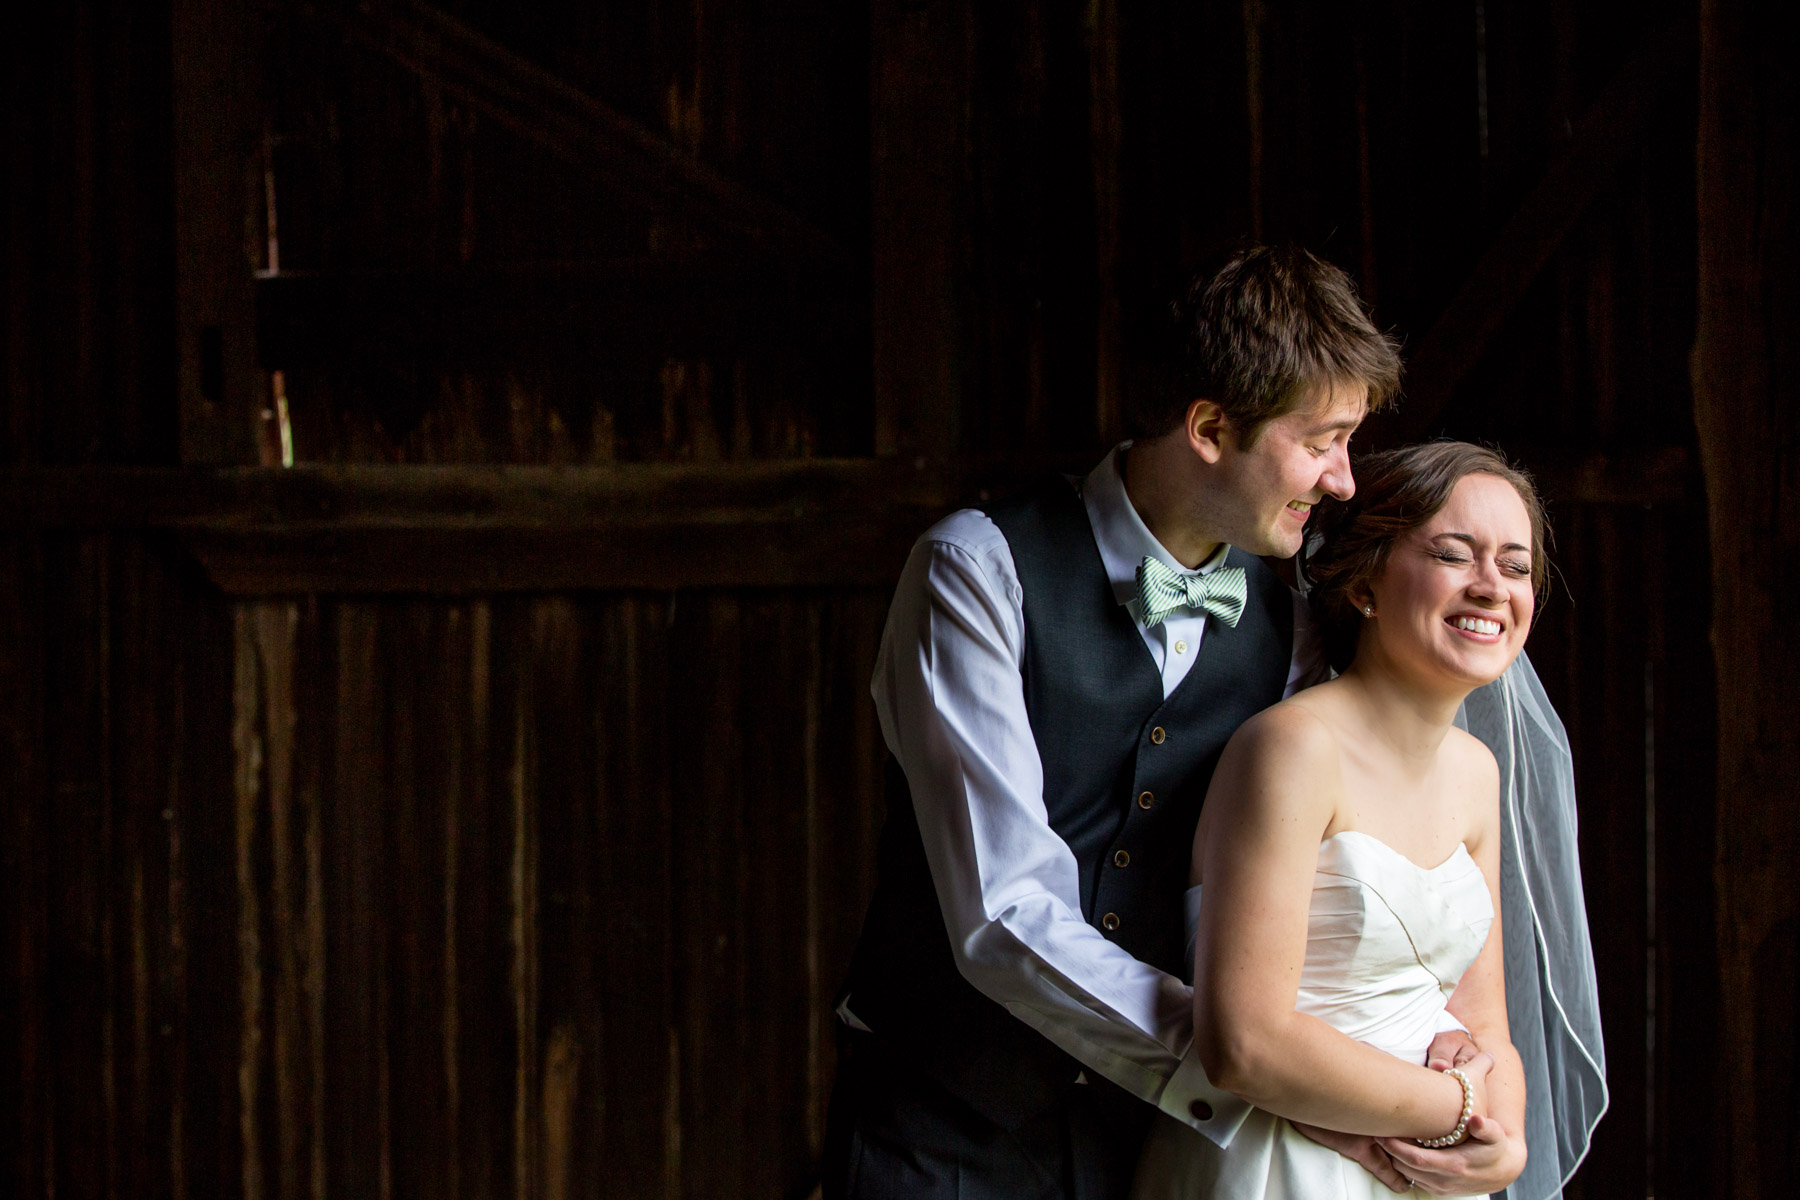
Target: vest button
[
  {"x": 1157, "y": 735},
  {"x": 1109, "y": 922},
  {"x": 1201, "y": 1110},
  {"x": 1122, "y": 859},
  {"x": 1145, "y": 799}
]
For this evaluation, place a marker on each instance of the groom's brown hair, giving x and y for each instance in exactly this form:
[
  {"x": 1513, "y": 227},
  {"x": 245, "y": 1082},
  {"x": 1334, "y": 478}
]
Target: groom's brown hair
[{"x": 1260, "y": 330}]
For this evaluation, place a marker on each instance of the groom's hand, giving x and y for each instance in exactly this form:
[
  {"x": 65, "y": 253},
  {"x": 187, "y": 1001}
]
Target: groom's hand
[
  {"x": 1452, "y": 1048},
  {"x": 1365, "y": 1151},
  {"x": 1487, "y": 1161}
]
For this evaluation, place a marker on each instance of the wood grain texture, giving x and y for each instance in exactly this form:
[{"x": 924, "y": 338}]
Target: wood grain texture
[
  {"x": 551, "y": 658},
  {"x": 1609, "y": 133},
  {"x": 1747, "y": 409},
  {"x": 27, "y": 1048},
  {"x": 218, "y": 120},
  {"x": 558, "y": 117},
  {"x": 1106, "y": 135},
  {"x": 1685, "y": 1050},
  {"x": 921, "y": 82},
  {"x": 559, "y": 903}
]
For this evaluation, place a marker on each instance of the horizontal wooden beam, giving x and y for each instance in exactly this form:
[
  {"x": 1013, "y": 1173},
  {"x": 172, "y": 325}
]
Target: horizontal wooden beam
[
  {"x": 538, "y": 105},
  {"x": 459, "y": 529},
  {"x": 355, "y": 496},
  {"x": 358, "y": 528}
]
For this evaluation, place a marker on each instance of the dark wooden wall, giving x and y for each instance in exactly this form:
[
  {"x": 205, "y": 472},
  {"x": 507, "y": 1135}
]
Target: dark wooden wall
[
  {"x": 483, "y": 804},
  {"x": 1747, "y": 401}
]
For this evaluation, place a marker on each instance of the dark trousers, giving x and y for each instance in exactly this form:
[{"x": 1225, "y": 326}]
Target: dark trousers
[{"x": 894, "y": 1133}]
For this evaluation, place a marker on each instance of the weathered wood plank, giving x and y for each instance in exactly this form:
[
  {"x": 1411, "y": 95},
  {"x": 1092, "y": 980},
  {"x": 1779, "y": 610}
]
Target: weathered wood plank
[
  {"x": 560, "y": 118},
  {"x": 477, "y": 855},
  {"x": 921, "y": 76},
  {"x": 820, "y": 988},
  {"x": 357, "y": 920},
  {"x": 1606, "y": 134},
  {"x": 28, "y": 1052},
  {"x": 203, "y": 985},
  {"x": 485, "y": 1048},
  {"x": 218, "y": 125},
  {"x": 1106, "y": 136},
  {"x": 523, "y": 779},
  {"x": 1254, "y": 101},
  {"x": 562, "y": 823},
  {"x": 248, "y": 782},
  {"x": 77, "y": 990},
  {"x": 1605, "y": 549},
  {"x": 776, "y": 701},
  {"x": 276, "y": 1041},
  {"x": 1746, "y": 377},
  {"x": 401, "y": 496},
  {"x": 413, "y": 665},
  {"x": 151, "y": 674},
  {"x": 640, "y": 721},
  {"x": 456, "y": 706},
  {"x": 1684, "y": 748},
  {"x": 707, "y": 664}
]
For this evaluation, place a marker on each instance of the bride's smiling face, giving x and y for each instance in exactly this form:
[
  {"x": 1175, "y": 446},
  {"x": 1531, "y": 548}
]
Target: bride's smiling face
[{"x": 1455, "y": 598}]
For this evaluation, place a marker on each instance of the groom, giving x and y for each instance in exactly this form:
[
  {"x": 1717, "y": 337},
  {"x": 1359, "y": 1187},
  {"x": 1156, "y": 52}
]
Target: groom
[{"x": 1056, "y": 681}]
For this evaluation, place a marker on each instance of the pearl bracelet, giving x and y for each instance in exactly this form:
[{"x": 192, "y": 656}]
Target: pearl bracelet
[{"x": 1462, "y": 1125}]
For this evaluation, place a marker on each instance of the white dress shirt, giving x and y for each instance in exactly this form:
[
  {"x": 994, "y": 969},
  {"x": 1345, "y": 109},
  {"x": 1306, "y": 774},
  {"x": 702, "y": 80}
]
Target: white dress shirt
[{"x": 949, "y": 690}]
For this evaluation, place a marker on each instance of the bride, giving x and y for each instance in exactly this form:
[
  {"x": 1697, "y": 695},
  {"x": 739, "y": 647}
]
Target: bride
[{"x": 1345, "y": 901}]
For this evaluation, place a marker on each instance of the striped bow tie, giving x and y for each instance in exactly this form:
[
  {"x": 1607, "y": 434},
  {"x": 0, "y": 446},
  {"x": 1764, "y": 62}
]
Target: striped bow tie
[{"x": 1163, "y": 590}]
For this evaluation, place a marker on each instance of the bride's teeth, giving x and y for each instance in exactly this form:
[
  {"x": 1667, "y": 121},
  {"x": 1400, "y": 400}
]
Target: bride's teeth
[{"x": 1476, "y": 625}]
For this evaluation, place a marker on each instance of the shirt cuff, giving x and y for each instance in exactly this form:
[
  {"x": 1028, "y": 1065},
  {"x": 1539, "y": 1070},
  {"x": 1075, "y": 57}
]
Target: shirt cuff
[{"x": 1192, "y": 1099}]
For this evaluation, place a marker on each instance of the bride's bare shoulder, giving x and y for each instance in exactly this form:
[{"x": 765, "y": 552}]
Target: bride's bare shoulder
[
  {"x": 1472, "y": 759},
  {"x": 1474, "y": 781},
  {"x": 1281, "y": 771},
  {"x": 1297, "y": 734}
]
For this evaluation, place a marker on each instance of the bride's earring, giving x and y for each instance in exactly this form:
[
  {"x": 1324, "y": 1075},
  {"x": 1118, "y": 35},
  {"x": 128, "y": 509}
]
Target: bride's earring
[{"x": 1368, "y": 610}]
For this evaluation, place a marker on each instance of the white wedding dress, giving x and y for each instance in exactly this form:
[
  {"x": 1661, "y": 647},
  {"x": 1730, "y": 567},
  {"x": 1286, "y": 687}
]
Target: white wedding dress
[{"x": 1386, "y": 942}]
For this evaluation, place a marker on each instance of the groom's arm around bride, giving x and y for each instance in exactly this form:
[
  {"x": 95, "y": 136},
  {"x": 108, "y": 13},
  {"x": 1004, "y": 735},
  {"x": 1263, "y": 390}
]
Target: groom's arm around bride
[{"x": 1056, "y": 680}]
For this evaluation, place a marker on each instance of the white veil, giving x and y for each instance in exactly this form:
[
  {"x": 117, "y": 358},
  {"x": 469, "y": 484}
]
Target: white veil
[{"x": 1551, "y": 998}]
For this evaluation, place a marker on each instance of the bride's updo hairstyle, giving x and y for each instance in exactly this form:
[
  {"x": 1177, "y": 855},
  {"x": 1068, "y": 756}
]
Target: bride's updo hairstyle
[{"x": 1397, "y": 491}]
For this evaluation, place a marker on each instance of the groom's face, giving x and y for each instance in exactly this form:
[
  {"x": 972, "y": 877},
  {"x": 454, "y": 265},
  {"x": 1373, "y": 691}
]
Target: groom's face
[{"x": 1296, "y": 460}]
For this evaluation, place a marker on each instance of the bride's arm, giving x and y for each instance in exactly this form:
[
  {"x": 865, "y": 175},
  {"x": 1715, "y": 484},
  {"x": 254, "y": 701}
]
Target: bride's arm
[
  {"x": 1494, "y": 1153},
  {"x": 1271, "y": 800}
]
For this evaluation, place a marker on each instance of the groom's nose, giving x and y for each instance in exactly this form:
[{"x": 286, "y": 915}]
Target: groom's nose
[{"x": 1336, "y": 480}]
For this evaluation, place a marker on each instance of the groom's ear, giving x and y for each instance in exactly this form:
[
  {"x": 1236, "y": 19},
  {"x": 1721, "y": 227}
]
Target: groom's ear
[{"x": 1206, "y": 426}]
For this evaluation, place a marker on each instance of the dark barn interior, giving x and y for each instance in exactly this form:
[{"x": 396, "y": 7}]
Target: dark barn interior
[{"x": 454, "y": 458}]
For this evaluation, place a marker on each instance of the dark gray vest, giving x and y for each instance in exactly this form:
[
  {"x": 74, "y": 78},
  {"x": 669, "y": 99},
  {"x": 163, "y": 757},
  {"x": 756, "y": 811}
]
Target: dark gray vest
[{"x": 1125, "y": 772}]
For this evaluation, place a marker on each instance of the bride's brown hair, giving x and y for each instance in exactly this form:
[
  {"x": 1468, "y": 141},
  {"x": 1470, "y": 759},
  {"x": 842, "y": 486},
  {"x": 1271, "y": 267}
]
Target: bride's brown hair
[{"x": 1397, "y": 491}]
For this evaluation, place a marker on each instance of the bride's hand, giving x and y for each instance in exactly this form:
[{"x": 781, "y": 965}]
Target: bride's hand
[
  {"x": 1364, "y": 1151},
  {"x": 1476, "y": 1070}
]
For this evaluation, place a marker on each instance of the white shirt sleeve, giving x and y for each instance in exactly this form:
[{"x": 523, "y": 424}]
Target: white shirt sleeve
[{"x": 949, "y": 690}]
